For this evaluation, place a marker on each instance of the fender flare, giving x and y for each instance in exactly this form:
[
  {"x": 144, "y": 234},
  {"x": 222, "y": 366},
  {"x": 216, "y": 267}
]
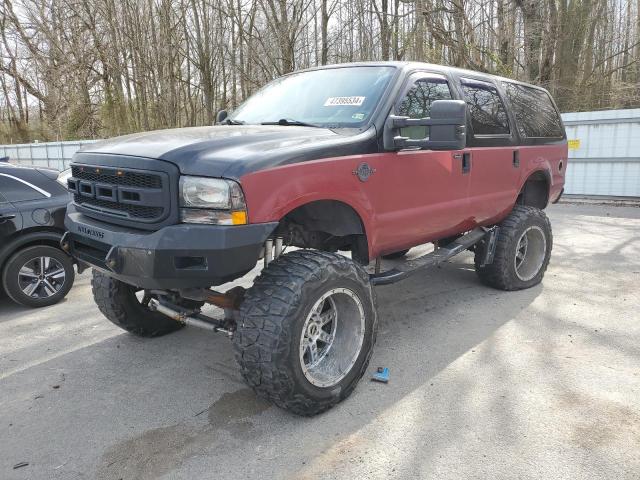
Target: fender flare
[
  {"x": 45, "y": 236},
  {"x": 545, "y": 170}
]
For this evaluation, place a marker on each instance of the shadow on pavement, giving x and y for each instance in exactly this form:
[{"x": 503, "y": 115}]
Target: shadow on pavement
[{"x": 149, "y": 406}]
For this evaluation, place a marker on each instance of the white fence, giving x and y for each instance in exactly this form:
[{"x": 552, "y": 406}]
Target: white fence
[
  {"x": 607, "y": 158},
  {"x": 604, "y": 154},
  {"x": 50, "y": 154}
]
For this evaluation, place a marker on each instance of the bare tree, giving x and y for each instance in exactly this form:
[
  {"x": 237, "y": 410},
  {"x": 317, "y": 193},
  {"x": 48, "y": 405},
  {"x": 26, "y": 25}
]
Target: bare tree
[{"x": 99, "y": 68}]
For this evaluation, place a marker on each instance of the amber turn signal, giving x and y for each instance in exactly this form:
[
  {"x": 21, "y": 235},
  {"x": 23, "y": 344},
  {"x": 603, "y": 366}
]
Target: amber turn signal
[{"x": 239, "y": 217}]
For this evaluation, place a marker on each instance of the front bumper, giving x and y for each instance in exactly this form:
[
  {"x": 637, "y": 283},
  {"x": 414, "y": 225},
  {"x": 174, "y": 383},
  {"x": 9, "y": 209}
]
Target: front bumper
[{"x": 176, "y": 256}]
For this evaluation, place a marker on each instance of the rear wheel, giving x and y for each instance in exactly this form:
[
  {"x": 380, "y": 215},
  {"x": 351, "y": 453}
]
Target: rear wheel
[
  {"x": 523, "y": 250},
  {"x": 127, "y": 307},
  {"x": 38, "y": 276},
  {"x": 307, "y": 331}
]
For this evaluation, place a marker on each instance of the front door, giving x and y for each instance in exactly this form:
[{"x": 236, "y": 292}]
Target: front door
[
  {"x": 418, "y": 195},
  {"x": 10, "y": 219}
]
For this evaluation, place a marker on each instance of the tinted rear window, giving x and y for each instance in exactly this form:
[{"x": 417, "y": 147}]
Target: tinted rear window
[
  {"x": 488, "y": 114},
  {"x": 535, "y": 114},
  {"x": 16, "y": 191}
]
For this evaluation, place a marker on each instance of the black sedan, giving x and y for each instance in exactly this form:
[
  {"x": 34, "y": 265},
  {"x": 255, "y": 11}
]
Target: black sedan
[{"x": 34, "y": 271}]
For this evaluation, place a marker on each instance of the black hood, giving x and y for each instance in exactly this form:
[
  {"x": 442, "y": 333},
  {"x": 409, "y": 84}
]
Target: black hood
[{"x": 232, "y": 151}]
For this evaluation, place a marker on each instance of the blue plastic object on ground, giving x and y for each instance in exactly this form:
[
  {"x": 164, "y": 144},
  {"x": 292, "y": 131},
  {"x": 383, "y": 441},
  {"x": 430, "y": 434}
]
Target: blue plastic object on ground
[{"x": 382, "y": 375}]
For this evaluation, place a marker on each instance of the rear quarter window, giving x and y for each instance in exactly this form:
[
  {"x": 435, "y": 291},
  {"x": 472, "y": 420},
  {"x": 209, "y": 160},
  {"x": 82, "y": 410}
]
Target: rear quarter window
[
  {"x": 536, "y": 116},
  {"x": 16, "y": 191},
  {"x": 488, "y": 113}
]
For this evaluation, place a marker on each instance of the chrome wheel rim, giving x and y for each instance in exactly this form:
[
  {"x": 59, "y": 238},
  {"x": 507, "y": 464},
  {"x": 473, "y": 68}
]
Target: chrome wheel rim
[
  {"x": 332, "y": 337},
  {"x": 530, "y": 253},
  {"x": 41, "y": 277}
]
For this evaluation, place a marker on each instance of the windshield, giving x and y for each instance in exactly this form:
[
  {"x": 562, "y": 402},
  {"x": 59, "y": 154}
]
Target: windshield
[{"x": 331, "y": 98}]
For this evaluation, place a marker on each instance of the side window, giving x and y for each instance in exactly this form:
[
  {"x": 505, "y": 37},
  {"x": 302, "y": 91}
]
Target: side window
[
  {"x": 488, "y": 114},
  {"x": 417, "y": 103},
  {"x": 16, "y": 191},
  {"x": 535, "y": 114}
]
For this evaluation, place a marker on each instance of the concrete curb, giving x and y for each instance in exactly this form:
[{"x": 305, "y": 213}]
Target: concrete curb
[{"x": 600, "y": 200}]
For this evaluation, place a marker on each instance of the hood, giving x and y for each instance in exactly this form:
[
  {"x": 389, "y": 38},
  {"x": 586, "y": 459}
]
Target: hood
[{"x": 232, "y": 151}]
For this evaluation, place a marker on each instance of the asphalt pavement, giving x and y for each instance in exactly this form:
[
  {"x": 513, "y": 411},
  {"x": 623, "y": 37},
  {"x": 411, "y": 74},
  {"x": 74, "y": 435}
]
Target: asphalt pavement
[{"x": 537, "y": 384}]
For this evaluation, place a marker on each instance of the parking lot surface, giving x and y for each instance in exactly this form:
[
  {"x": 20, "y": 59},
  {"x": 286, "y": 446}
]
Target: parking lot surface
[{"x": 542, "y": 383}]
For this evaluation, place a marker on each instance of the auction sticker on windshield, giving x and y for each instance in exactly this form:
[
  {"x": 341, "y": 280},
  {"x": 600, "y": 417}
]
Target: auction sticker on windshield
[{"x": 341, "y": 101}]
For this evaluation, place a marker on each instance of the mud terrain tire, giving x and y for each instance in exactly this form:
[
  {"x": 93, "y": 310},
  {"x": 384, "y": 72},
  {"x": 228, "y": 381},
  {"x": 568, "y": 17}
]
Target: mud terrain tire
[
  {"x": 272, "y": 340},
  {"x": 522, "y": 253},
  {"x": 118, "y": 302}
]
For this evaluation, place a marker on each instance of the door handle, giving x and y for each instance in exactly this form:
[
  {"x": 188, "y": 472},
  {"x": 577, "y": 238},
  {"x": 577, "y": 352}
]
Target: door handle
[
  {"x": 466, "y": 161},
  {"x": 8, "y": 216},
  {"x": 516, "y": 158}
]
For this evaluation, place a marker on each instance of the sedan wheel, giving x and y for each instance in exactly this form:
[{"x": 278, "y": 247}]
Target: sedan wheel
[
  {"x": 41, "y": 277},
  {"x": 38, "y": 276}
]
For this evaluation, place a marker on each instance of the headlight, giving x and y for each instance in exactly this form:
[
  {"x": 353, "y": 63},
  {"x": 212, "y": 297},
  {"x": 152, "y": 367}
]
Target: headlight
[
  {"x": 211, "y": 200},
  {"x": 63, "y": 176}
]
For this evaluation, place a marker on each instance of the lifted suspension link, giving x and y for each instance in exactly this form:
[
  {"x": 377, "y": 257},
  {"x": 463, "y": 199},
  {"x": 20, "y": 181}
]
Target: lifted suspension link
[
  {"x": 193, "y": 318},
  {"x": 230, "y": 300}
]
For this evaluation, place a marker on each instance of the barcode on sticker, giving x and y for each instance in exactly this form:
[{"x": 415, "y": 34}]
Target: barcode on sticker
[{"x": 340, "y": 101}]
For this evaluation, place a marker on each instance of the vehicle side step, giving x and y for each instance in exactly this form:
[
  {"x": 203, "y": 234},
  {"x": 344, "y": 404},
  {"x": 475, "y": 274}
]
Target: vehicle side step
[{"x": 439, "y": 255}]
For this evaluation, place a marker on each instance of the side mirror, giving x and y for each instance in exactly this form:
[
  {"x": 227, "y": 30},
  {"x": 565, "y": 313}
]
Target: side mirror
[
  {"x": 221, "y": 116},
  {"x": 448, "y": 126}
]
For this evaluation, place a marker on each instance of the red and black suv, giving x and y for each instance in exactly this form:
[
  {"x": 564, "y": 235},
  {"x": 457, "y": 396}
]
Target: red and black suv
[{"x": 367, "y": 158}]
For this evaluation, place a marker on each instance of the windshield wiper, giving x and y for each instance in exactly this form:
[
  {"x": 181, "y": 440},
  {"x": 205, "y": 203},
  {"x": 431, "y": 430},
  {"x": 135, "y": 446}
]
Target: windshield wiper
[
  {"x": 230, "y": 121},
  {"x": 288, "y": 122}
]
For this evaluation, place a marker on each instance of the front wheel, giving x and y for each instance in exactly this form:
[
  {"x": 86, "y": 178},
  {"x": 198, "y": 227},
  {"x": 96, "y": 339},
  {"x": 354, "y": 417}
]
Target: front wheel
[
  {"x": 523, "y": 250},
  {"x": 307, "y": 330},
  {"x": 127, "y": 307}
]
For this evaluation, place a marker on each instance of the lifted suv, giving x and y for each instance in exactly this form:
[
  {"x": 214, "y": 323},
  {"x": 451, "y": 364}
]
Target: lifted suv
[{"x": 371, "y": 158}]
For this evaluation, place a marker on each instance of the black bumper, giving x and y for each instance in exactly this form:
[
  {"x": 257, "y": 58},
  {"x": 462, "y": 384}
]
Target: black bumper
[{"x": 177, "y": 256}]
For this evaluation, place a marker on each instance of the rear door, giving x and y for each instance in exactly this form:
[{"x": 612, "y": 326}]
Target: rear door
[
  {"x": 418, "y": 195},
  {"x": 22, "y": 198},
  {"x": 495, "y": 165}
]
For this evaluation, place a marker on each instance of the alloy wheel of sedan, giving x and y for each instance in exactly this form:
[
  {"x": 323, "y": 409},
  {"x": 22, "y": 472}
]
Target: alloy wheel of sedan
[{"x": 41, "y": 277}]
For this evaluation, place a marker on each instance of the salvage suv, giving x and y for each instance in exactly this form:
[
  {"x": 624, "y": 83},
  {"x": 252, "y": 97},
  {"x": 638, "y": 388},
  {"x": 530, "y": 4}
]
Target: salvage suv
[{"x": 366, "y": 158}]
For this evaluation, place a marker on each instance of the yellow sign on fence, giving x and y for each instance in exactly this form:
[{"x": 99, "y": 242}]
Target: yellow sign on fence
[{"x": 574, "y": 144}]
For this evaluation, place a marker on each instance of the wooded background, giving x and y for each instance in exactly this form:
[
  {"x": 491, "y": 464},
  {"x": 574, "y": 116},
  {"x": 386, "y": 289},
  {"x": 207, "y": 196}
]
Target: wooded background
[{"x": 74, "y": 69}]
